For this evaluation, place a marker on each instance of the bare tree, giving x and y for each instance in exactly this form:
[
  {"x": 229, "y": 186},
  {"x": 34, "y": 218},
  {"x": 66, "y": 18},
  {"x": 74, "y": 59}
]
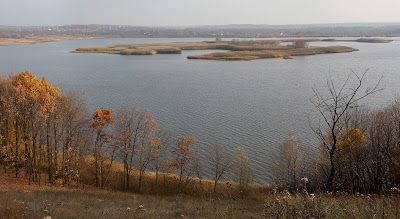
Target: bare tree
[
  {"x": 135, "y": 136},
  {"x": 219, "y": 163},
  {"x": 243, "y": 170},
  {"x": 166, "y": 140},
  {"x": 333, "y": 108},
  {"x": 126, "y": 140},
  {"x": 198, "y": 169}
]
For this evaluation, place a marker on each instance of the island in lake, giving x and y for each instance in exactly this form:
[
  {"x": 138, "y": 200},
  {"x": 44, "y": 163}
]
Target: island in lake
[
  {"x": 360, "y": 40},
  {"x": 235, "y": 49}
]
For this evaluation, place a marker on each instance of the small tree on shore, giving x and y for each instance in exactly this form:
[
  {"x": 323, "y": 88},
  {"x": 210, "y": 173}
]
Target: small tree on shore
[
  {"x": 101, "y": 119},
  {"x": 242, "y": 169},
  {"x": 219, "y": 162},
  {"x": 287, "y": 168},
  {"x": 182, "y": 155},
  {"x": 166, "y": 139}
]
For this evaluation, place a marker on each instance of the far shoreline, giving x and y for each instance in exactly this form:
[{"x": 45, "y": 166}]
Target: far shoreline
[
  {"x": 31, "y": 40},
  {"x": 40, "y": 39}
]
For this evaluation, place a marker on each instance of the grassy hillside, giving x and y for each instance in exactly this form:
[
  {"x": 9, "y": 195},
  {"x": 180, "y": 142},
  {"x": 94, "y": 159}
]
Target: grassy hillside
[{"x": 18, "y": 200}]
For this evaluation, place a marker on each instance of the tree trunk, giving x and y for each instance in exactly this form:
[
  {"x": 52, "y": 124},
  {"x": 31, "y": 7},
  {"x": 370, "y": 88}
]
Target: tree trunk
[
  {"x": 215, "y": 188},
  {"x": 16, "y": 149}
]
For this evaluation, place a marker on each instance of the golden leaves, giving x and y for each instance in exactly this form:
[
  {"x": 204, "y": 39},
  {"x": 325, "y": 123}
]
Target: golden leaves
[
  {"x": 352, "y": 139},
  {"x": 102, "y": 117},
  {"x": 36, "y": 91},
  {"x": 351, "y": 142}
]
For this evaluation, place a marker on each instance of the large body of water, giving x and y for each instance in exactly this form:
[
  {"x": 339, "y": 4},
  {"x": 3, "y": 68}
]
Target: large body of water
[{"x": 251, "y": 104}]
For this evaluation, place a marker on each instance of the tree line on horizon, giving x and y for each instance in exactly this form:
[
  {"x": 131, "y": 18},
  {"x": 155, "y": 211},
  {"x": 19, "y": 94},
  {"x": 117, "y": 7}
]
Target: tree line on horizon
[
  {"x": 226, "y": 31},
  {"x": 51, "y": 137}
]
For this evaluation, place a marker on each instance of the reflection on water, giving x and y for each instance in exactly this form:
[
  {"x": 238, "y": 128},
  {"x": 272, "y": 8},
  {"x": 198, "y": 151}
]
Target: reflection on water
[{"x": 252, "y": 104}]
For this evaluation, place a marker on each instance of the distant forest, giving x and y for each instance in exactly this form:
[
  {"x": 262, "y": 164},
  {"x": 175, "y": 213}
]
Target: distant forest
[{"x": 228, "y": 31}]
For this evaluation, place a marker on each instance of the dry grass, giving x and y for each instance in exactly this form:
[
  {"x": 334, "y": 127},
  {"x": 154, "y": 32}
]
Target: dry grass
[
  {"x": 19, "y": 200},
  {"x": 33, "y": 40},
  {"x": 68, "y": 203},
  {"x": 285, "y": 205},
  {"x": 275, "y": 53},
  {"x": 236, "y": 50},
  {"x": 137, "y": 52},
  {"x": 22, "y": 201},
  {"x": 168, "y": 184}
]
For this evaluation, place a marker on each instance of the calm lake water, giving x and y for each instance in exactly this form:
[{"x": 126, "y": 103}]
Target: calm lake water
[{"x": 251, "y": 104}]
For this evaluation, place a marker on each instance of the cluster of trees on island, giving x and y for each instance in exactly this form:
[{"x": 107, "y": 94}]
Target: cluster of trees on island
[{"x": 50, "y": 137}]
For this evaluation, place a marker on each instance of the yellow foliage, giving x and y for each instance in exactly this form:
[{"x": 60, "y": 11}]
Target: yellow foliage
[
  {"x": 39, "y": 90},
  {"x": 351, "y": 141}
]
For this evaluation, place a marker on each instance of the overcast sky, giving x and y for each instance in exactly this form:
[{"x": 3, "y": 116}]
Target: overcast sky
[{"x": 196, "y": 12}]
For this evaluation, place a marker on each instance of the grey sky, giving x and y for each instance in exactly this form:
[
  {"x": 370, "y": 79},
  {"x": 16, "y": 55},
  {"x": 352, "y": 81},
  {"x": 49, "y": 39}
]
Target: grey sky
[{"x": 196, "y": 12}]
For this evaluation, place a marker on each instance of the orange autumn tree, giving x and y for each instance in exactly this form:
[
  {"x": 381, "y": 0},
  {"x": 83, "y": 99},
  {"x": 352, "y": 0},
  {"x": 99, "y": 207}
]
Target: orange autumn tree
[
  {"x": 35, "y": 102},
  {"x": 48, "y": 98},
  {"x": 38, "y": 126},
  {"x": 9, "y": 125},
  {"x": 25, "y": 89},
  {"x": 182, "y": 155},
  {"x": 101, "y": 120}
]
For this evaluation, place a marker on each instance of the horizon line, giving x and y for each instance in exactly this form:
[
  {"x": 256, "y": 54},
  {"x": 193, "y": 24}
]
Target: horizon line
[{"x": 216, "y": 25}]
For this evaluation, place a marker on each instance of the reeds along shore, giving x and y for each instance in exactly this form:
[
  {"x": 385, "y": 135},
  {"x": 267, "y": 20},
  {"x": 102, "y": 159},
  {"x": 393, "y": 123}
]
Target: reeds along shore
[{"x": 235, "y": 50}]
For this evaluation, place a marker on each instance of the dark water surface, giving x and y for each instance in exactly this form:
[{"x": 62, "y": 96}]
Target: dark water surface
[{"x": 251, "y": 104}]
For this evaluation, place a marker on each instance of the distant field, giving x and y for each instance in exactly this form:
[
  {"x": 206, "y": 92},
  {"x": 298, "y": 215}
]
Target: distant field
[
  {"x": 235, "y": 50},
  {"x": 40, "y": 39}
]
